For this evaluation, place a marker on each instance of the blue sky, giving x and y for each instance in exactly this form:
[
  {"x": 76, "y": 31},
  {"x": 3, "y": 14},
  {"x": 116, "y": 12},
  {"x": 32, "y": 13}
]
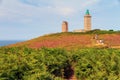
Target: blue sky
[{"x": 27, "y": 19}]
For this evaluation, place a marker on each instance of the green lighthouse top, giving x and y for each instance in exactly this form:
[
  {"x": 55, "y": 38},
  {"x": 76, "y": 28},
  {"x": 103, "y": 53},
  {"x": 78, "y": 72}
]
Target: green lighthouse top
[{"x": 87, "y": 12}]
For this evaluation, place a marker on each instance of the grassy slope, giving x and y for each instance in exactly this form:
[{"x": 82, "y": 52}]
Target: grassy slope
[{"x": 73, "y": 40}]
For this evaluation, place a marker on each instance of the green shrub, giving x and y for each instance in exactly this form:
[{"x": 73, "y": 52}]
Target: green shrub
[{"x": 21, "y": 63}]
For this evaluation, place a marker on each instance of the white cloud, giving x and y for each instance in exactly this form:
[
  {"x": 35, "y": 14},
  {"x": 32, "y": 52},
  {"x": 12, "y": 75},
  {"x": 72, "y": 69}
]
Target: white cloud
[
  {"x": 70, "y": 7},
  {"x": 65, "y": 11},
  {"x": 63, "y": 7},
  {"x": 26, "y": 10},
  {"x": 17, "y": 11},
  {"x": 14, "y": 11},
  {"x": 89, "y": 3}
]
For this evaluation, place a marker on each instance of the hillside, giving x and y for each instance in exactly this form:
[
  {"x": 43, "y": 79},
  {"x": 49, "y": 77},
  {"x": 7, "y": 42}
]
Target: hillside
[
  {"x": 72, "y": 40},
  {"x": 81, "y": 59}
]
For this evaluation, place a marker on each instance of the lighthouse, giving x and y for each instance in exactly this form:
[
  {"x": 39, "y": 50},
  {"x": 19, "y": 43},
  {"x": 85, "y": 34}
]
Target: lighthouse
[{"x": 87, "y": 21}]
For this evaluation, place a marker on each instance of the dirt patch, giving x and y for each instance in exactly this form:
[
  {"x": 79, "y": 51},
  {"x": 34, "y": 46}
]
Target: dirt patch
[{"x": 69, "y": 73}]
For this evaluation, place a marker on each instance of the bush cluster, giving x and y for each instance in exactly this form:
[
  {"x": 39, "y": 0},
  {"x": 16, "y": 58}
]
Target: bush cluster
[{"x": 21, "y": 63}]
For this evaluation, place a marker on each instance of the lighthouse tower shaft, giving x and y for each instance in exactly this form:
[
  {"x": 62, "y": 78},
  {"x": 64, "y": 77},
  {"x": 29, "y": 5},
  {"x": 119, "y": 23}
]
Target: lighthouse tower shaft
[
  {"x": 87, "y": 21},
  {"x": 65, "y": 26}
]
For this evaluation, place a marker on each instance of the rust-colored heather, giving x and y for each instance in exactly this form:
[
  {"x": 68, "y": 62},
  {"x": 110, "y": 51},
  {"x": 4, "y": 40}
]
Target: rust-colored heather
[{"x": 70, "y": 41}]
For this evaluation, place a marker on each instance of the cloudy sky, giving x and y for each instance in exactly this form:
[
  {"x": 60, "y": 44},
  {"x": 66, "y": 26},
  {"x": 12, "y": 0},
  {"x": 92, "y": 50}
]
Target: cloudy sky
[{"x": 27, "y": 19}]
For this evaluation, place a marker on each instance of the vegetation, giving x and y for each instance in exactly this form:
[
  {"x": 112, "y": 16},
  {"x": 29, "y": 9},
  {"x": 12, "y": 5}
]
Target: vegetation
[
  {"x": 74, "y": 40},
  {"x": 97, "y": 31},
  {"x": 63, "y": 55},
  {"x": 21, "y": 63}
]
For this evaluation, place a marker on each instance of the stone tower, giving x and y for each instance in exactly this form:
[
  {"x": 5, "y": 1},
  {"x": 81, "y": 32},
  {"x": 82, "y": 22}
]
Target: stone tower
[
  {"x": 87, "y": 21},
  {"x": 65, "y": 26}
]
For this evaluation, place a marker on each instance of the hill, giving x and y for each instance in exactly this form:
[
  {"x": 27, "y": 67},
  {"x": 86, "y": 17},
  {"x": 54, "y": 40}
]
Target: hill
[
  {"x": 23, "y": 63},
  {"x": 74, "y": 40}
]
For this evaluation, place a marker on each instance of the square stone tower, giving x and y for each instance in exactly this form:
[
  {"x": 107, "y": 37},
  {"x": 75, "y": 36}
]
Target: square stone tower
[
  {"x": 87, "y": 21},
  {"x": 65, "y": 26}
]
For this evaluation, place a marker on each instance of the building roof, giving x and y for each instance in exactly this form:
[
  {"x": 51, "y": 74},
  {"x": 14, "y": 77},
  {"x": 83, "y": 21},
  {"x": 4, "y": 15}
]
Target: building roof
[{"x": 87, "y": 12}]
